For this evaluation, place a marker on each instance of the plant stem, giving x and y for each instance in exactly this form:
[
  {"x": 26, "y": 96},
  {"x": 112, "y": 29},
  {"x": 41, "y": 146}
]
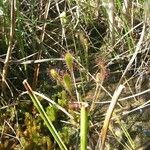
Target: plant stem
[{"x": 83, "y": 126}]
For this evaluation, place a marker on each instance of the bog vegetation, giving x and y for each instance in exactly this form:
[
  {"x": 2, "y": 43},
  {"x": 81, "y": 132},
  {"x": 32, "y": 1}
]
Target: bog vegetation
[{"x": 74, "y": 74}]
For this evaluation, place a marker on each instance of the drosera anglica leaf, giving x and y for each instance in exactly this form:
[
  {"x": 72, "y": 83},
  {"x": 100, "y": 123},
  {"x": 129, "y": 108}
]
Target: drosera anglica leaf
[{"x": 69, "y": 61}]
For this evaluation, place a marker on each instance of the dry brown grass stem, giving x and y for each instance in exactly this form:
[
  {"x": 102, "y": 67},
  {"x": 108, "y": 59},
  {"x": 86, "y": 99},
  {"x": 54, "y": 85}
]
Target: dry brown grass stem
[
  {"x": 127, "y": 98},
  {"x": 37, "y": 61},
  {"x": 109, "y": 113},
  {"x": 10, "y": 46},
  {"x": 37, "y": 66}
]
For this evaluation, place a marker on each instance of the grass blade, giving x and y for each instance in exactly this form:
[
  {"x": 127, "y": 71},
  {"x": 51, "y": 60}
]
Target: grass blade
[
  {"x": 108, "y": 116},
  {"x": 44, "y": 116}
]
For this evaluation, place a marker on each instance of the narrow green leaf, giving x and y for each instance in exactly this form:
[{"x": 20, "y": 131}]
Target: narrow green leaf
[{"x": 44, "y": 116}]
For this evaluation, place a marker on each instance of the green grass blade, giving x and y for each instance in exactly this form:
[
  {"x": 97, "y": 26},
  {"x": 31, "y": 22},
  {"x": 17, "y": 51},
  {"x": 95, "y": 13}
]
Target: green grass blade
[{"x": 44, "y": 116}]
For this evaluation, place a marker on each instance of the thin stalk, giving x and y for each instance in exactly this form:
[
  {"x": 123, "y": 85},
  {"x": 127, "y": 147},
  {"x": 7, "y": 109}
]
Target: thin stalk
[
  {"x": 125, "y": 146},
  {"x": 137, "y": 49},
  {"x": 42, "y": 36},
  {"x": 126, "y": 133},
  {"x": 76, "y": 90},
  {"x": 83, "y": 126},
  {"x": 10, "y": 46},
  {"x": 81, "y": 75}
]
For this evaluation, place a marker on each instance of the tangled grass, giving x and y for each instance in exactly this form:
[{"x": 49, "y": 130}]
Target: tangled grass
[{"x": 75, "y": 53}]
